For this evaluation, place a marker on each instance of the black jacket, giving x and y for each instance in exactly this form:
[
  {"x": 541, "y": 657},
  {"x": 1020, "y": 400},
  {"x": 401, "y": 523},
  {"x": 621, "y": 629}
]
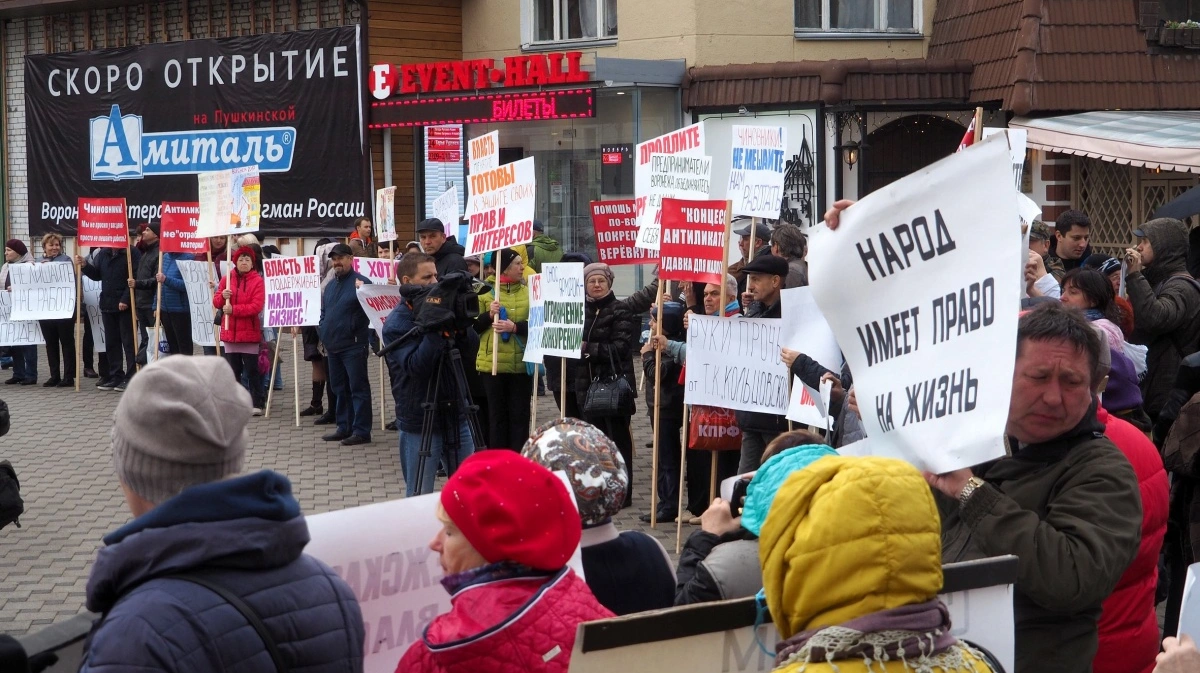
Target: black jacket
[
  {"x": 694, "y": 582},
  {"x": 417, "y": 364},
  {"x": 146, "y": 286},
  {"x": 110, "y": 268},
  {"x": 610, "y": 332},
  {"x": 449, "y": 258}
]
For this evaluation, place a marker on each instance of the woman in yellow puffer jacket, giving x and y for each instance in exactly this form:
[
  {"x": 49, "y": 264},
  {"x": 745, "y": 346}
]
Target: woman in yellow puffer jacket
[{"x": 852, "y": 563}]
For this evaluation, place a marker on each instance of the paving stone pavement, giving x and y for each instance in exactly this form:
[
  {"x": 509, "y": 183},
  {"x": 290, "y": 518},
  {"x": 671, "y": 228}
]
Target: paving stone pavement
[{"x": 59, "y": 445}]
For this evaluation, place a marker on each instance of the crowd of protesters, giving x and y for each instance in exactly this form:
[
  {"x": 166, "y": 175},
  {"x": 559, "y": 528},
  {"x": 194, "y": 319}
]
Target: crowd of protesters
[{"x": 1105, "y": 402}]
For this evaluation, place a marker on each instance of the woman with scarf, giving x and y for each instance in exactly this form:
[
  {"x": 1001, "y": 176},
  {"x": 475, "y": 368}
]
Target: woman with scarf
[
  {"x": 503, "y": 327},
  {"x": 24, "y": 357},
  {"x": 884, "y": 614},
  {"x": 240, "y": 297},
  {"x": 515, "y": 604}
]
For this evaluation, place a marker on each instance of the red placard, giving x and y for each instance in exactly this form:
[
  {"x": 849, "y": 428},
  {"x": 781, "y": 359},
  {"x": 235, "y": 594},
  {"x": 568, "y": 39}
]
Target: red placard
[
  {"x": 693, "y": 240},
  {"x": 178, "y": 233},
  {"x": 103, "y": 223},
  {"x": 610, "y": 158},
  {"x": 616, "y": 232}
]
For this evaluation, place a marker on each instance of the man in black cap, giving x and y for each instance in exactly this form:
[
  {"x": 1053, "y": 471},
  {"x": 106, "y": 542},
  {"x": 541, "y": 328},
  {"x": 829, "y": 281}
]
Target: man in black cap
[
  {"x": 447, "y": 253},
  {"x": 762, "y": 243},
  {"x": 145, "y": 287},
  {"x": 345, "y": 331},
  {"x": 764, "y": 282}
]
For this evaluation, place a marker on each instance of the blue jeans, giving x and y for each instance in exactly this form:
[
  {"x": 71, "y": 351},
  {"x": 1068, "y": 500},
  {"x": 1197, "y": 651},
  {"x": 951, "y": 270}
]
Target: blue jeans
[
  {"x": 25, "y": 362},
  {"x": 410, "y": 447},
  {"x": 348, "y": 378}
]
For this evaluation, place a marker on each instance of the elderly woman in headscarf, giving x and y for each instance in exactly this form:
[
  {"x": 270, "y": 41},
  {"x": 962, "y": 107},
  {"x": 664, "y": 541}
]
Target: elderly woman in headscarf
[{"x": 24, "y": 357}]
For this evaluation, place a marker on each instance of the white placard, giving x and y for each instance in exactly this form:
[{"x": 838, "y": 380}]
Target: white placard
[
  {"x": 378, "y": 270},
  {"x": 1018, "y": 140},
  {"x": 377, "y": 302},
  {"x": 445, "y": 208},
  {"x": 245, "y": 199},
  {"x": 675, "y": 177},
  {"x": 1189, "y": 609},
  {"x": 483, "y": 153},
  {"x": 563, "y": 299},
  {"x": 385, "y": 214},
  {"x": 42, "y": 291},
  {"x": 17, "y": 332},
  {"x": 756, "y": 170},
  {"x": 806, "y": 330},
  {"x": 735, "y": 364},
  {"x": 91, "y": 302},
  {"x": 293, "y": 292},
  {"x": 216, "y": 207},
  {"x": 196, "y": 277},
  {"x": 501, "y": 207},
  {"x": 687, "y": 142},
  {"x": 915, "y": 284},
  {"x": 537, "y": 319}
]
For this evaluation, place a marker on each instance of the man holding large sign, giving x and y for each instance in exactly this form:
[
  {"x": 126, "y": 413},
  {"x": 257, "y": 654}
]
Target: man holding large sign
[{"x": 102, "y": 224}]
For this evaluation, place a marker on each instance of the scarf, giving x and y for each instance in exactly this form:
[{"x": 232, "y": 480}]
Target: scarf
[
  {"x": 919, "y": 635},
  {"x": 492, "y": 572},
  {"x": 1093, "y": 314}
]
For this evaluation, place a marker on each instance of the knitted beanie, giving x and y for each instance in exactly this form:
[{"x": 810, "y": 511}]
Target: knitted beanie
[
  {"x": 17, "y": 246},
  {"x": 507, "y": 255},
  {"x": 181, "y": 422},
  {"x": 512, "y": 509},
  {"x": 594, "y": 466},
  {"x": 597, "y": 268}
]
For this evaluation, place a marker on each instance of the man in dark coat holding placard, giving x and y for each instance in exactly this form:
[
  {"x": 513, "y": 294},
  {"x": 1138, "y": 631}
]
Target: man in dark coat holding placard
[
  {"x": 764, "y": 281},
  {"x": 110, "y": 267}
]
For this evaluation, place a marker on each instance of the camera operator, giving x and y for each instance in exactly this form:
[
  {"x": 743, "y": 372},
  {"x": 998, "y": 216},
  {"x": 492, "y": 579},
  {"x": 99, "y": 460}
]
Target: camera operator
[{"x": 423, "y": 366}]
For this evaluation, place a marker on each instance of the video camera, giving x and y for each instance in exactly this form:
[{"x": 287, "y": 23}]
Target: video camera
[{"x": 451, "y": 304}]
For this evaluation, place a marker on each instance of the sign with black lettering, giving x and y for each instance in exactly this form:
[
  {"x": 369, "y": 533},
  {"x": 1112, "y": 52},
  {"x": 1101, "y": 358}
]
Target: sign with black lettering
[
  {"x": 735, "y": 364},
  {"x": 44, "y": 291},
  {"x": 142, "y": 122},
  {"x": 917, "y": 286}
]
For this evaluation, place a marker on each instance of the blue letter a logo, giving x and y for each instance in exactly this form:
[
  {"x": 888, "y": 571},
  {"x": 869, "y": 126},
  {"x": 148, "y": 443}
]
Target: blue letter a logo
[{"x": 116, "y": 146}]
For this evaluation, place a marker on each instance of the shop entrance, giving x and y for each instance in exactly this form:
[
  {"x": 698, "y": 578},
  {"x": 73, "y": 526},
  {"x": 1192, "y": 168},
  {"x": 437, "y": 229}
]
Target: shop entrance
[{"x": 906, "y": 145}]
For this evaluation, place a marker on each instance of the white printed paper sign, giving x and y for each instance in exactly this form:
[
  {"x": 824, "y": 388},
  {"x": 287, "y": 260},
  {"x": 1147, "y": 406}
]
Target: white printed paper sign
[
  {"x": 196, "y": 276},
  {"x": 445, "y": 208},
  {"x": 501, "y": 207},
  {"x": 216, "y": 206},
  {"x": 735, "y": 364},
  {"x": 671, "y": 177},
  {"x": 686, "y": 142},
  {"x": 562, "y": 293},
  {"x": 44, "y": 291},
  {"x": 385, "y": 214},
  {"x": 756, "y": 170},
  {"x": 537, "y": 319},
  {"x": 293, "y": 297},
  {"x": 377, "y": 302},
  {"x": 17, "y": 332},
  {"x": 91, "y": 302},
  {"x": 909, "y": 284}
]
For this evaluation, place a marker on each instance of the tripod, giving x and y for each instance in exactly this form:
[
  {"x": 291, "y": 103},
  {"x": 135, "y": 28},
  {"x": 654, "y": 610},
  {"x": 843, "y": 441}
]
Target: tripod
[{"x": 462, "y": 399}]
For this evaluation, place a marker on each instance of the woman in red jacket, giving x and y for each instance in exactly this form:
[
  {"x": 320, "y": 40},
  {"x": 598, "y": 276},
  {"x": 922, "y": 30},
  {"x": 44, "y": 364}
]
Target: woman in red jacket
[
  {"x": 1128, "y": 625},
  {"x": 241, "y": 303}
]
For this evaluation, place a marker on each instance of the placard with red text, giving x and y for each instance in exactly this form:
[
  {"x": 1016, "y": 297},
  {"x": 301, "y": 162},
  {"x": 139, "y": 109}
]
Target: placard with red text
[
  {"x": 102, "y": 223},
  {"x": 178, "y": 232},
  {"x": 693, "y": 241},
  {"x": 616, "y": 233}
]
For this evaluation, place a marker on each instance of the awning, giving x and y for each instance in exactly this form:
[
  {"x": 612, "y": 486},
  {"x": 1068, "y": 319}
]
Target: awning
[{"x": 1166, "y": 140}]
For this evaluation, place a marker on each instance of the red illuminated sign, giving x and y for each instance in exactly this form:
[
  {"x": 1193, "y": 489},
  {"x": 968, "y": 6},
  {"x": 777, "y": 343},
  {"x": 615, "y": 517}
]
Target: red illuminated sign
[
  {"x": 610, "y": 158},
  {"x": 484, "y": 108},
  {"x": 386, "y": 80}
]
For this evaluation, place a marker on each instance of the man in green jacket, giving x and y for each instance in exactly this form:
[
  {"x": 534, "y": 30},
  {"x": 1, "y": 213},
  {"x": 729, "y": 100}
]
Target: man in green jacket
[
  {"x": 543, "y": 249},
  {"x": 1065, "y": 503}
]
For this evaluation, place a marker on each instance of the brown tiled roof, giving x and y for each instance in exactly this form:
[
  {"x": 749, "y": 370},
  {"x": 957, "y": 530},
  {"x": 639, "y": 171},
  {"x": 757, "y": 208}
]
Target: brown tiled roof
[
  {"x": 1062, "y": 55},
  {"x": 830, "y": 82}
]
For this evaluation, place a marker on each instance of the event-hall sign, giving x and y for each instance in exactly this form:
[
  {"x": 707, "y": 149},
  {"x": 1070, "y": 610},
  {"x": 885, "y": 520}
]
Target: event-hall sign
[{"x": 141, "y": 123}]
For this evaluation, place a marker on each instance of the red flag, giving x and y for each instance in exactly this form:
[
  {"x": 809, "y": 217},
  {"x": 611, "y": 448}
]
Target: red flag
[{"x": 968, "y": 138}]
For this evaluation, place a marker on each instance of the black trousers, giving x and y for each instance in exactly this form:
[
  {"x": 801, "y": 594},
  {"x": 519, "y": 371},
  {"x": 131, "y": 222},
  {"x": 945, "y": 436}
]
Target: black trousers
[
  {"x": 669, "y": 446},
  {"x": 508, "y": 409},
  {"x": 145, "y": 318},
  {"x": 248, "y": 362},
  {"x": 616, "y": 428},
  {"x": 178, "y": 328},
  {"x": 118, "y": 336},
  {"x": 60, "y": 341}
]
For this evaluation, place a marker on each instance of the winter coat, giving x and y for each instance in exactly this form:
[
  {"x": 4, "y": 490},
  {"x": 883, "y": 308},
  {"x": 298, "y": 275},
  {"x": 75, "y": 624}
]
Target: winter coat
[
  {"x": 1165, "y": 303},
  {"x": 1070, "y": 510},
  {"x": 27, "y": 258},
  {"x": 627, "y": 572},
  {"x": 1128, "y": 623},
  {"x": 797, "y": 273},
  {"x": 610, "y": 333},
  {"x": 541, "y": 251},
  {"x": 110, "y": 268},
  {"x": 718, "y": 568},
  {"x": 244, "y": 325},
  {"x": 174, "y": 291},
  {"x": 361, "y": 248},
  {"x": 449, "y": 258},
  {"x": 343, "y": 324},
  {"x": 145, "y": 286},
  {"x": 514, "y": 297},
  {"x": 246, "y": 534},
  {"x": 507, "y": 626},
  {"x": 1181, "y": 457},
  {"x": 415, "y": 365}
]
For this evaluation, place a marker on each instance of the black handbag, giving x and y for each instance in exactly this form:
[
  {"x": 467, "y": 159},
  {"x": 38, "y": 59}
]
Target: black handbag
[{"x": 609, "y": 396}]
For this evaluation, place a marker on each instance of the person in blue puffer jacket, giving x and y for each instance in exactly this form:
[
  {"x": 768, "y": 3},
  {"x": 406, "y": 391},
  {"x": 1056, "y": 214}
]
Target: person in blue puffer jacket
[
  {"x": 199, "y": 533},
  {"x": 176, "y": 315}
]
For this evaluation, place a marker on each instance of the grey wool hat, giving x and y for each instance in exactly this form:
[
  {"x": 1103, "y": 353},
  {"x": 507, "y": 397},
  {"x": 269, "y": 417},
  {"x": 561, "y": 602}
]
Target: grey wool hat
[{"x": 181, "y": 422}]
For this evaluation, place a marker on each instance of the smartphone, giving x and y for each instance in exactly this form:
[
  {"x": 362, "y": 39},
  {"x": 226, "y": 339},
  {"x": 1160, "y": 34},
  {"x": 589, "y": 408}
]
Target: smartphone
[{"x": 738, "y": 500}]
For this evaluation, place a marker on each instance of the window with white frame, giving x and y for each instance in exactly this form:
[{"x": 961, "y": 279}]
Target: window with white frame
[
  {"x": 561, "y": 20},
  {"x": 858, "y": 16}
]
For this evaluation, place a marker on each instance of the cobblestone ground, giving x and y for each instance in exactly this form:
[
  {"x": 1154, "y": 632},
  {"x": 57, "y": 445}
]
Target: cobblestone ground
[{"x": 59, "y": 445}]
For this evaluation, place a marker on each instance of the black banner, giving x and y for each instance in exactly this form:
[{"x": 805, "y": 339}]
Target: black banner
[{"x": 142, "y": 122}]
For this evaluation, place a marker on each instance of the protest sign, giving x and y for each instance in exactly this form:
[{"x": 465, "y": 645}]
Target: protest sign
[
  {"x": 44, "y": 291},
  {"x": 501, "y": 207},
  {"x": 671, "y": 176},
  {"x": 91, "y": 304},
  {"x": 385, "y": 214},
  {"x": 1018, "y": 140},
  {"x": 378, "y": 270},
  {"x": 196, "y": 276},
  {"x": 1189, "y": 609},
  {"x": 909, "y": 285},
  {"x": 685, "y": 142},
  {"x": 756, "y": 170},
  {"x": 216, "y": 208},
  {"x": 694, "y": 236},
  {"x": 616, "y": 232},
  {"x": 396, "y": 577},
  {"x": 178, "y": 231},
  {"x": 102, "y": 223},
  {"x": 445, "y": 208},
  {"x": 722, "y": 636},
  {"x": 17, "y": 332},
  {"x": 806, "y": 330},
  {"x": 483, "y": 153},
  {"x": 562, "y": 292},
  {"x": 734, "y": 364},
  {"x": 293, "y": 291},
  {"x": 245, "y": 199},
  {"x": 537, "y": 319},
  {"x": 377, "y": 302}
]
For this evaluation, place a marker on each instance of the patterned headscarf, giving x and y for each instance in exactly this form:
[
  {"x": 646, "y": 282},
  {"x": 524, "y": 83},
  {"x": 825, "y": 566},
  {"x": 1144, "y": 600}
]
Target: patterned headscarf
[{"x": 591, "y": 460}]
